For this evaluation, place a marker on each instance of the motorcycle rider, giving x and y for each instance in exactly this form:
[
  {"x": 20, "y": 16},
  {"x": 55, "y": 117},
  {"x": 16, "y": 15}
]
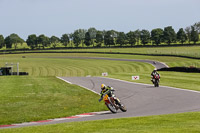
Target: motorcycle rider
[
  {"x": 154, "y": 72},
  {"x": 105, "y": 89}
]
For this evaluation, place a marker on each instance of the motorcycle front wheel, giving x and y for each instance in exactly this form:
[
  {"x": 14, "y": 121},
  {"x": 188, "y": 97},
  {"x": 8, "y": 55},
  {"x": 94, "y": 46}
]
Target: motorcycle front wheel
[
  {"x": 122, "y": 108},
  {"x": 111, "y": 108}
]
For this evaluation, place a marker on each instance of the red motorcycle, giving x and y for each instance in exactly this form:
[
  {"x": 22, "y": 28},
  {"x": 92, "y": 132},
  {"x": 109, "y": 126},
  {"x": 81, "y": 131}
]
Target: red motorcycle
[
  {"x": 156, "y": 80},
  {"x": 112, "y": 104}
]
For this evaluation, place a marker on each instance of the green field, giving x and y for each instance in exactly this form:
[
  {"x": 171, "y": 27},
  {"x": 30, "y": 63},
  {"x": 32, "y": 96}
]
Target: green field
[
  {"x": 30, "y": 98},
  {"x": 190, "y": 51},
  {"x": 58, "y": 65},
  {"x": 41, "y": 87}
]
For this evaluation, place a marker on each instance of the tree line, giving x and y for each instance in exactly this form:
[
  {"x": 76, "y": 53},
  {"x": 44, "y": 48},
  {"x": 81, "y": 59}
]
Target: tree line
[{"x": 96, "y": 38}]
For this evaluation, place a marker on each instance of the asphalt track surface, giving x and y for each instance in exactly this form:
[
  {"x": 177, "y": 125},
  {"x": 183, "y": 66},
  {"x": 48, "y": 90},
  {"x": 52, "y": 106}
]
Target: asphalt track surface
[
  {"x": 156, "y": 64},
  {"x": 140, "y": 99}
]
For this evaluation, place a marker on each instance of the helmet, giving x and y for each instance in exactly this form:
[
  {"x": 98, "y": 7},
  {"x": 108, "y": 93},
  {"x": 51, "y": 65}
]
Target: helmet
[
  {"x": 155, "y": 69},
  {"x": 103, "y": 86}
]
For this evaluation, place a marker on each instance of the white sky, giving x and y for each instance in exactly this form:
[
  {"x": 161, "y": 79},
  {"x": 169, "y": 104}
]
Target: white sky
[{"x": 57, "y": 17}]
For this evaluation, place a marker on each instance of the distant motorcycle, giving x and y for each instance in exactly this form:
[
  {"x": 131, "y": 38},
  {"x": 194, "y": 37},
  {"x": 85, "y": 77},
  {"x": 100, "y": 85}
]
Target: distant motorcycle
[
  {"x": 112, "y": 105},
  {"x": 156, "y": 80}
]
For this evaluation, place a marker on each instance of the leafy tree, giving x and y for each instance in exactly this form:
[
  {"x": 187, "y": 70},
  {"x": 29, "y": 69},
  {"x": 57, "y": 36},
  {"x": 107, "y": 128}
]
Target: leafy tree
[
  {"x": 169, "y": 35},
  {"x": 71, "y": 39},
  {"x": 76, "y": 38},
  {"x": 181, "y": 36},
  {"x": 44, "y": 40},
  {"x": 157, "y": 36},
  {"x": 13, "y": 39},
  {"x": 92, "y": 32},
  {"x": 103, "y": 33},
  {"x": 8, "y": 42},
  {"x": 82, "y": 35},
  {"x": 32, "y": 41},
  {"x": 99, "y": 38},
  {"x": 65, "y": 39},
  {"x": 131, "y": 37},
  {"x": 145, "y": 36},
  {"x": 121, "y": 38},
  {"x": 54, "y": 40},
  {"x": 87, "y": 39},
  {"x": 194, "y": 35},
  {"x": 114, "y": 35},
  {"x": 1, "y": 41},
  {"x": 188, "y": 33},
  {"x": 137, "y": 36},
  {"x": 109, "y": 38},
  {"x": 197, "y": 27}
]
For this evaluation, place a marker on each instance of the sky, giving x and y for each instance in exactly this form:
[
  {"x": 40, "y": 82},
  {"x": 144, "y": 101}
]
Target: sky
[{"x": 57, "y": 17}]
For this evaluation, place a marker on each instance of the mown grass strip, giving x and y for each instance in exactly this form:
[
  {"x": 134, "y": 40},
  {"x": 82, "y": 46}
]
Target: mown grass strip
[{"x": 84, "y": 67}]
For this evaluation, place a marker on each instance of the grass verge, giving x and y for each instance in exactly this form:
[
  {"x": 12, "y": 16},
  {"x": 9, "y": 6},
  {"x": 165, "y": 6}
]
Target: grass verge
[
  {"x": 29, "y": 98},
  {"x": 179, "y": 123}
]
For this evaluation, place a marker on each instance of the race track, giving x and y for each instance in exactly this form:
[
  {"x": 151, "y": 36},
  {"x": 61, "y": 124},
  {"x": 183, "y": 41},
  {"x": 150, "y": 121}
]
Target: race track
[
  {"x": 156, "y": 64},
  {"x": 140, "y": 99}
]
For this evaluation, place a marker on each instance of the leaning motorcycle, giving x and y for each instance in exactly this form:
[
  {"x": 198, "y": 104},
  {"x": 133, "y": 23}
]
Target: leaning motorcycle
[
  {"x": 112, "y": 105},
  {"x": 156, "y": 80}
]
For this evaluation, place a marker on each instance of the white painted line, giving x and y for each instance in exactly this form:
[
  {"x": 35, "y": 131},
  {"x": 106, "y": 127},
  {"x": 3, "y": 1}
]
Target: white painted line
[
  {"x": 151, "y": 85},
  {"x": 78, "y": 85},
  {"x": 101, "y": 112},
  {"x": 59, "y": 119},
  {"x": 25, "y": 123},
  {"x": 64, "y": 80},
  {"x": 84, "y": 115},
  {"x": 182, "y": 89}
]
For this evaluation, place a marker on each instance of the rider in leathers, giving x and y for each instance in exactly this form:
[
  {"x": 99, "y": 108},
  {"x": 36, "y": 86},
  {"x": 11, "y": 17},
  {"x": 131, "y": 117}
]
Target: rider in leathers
[
  {"x": 105, "y": 89},
  {"x": 154, "y": 72}
]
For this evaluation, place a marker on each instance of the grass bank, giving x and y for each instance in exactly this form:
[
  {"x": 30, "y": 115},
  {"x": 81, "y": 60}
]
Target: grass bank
[
  {"x": 179, "y": 123},
  {"x": 29, "y": 98}
]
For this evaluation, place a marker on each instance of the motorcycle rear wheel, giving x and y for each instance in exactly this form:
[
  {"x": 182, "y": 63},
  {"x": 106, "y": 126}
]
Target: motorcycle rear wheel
[{"x": 156, "y": 84}]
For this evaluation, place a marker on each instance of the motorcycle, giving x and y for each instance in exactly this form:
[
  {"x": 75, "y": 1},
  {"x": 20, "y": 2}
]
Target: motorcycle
[
  {"x": 112, "y": 104},
  {"x": 156, "y": 80}
]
